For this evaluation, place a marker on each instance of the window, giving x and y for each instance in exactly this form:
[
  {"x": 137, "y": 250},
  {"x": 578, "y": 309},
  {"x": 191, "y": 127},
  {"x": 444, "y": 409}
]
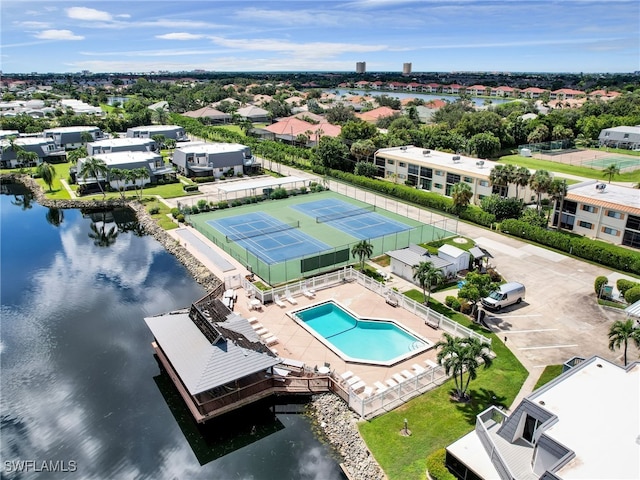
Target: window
[
  {"x": 412, "y": 179},
  {"x": 425, "y": 184},
  {"x": 440, "y": 173},
  {"x": 402, "y": 176},
  {"x": 633, "y": 222},
  {"x": 614, "y": 214},
  {"x": 468, "y": 179},
  {"x": 590, "y": 208},
  {"x": 390, "y": 162},
  {"x": 626, "y": 135},
  {"x": 413, "y": 169},
  {"x": 380, "y": 161},
  {"x": 484, "y": 183},
  {"x": 606, "y": 134},
  {"x": 584, "y": 224},
  {"x": 426, "y": 172},
  {"x": 610, "y": 231},
  {"x": 437, "y": 185},
  {"x": 402, "y": 165},
  {"x": 453, "y": 178}
]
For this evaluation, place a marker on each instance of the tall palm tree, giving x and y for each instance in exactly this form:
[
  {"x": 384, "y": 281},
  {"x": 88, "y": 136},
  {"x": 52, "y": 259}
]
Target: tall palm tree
[
  {"x": 449, "y": 356},
  {"x": 74, "y": 155},
  {"x": 120, "y": 176},
  {"x": 86, "y": 137},
  {"x": 363, "y": 250},
  {"x": 474, "y": 352},
  {"x": 621, "y": 332},
  {"x": 499, "y": 178},
  {"x": 557, "y": 192},
  {"x": 93, "y": 167},
  {"x": 461, "y": 195},
  {"x": 540, "y": 183},
  {"x": 428, "y": 276},
  {"x": 47, "y": 173},
  {"x": 509, "y": 175},
  {"x": 521, "y": 178},
  {"x": 160, "y": 140},
  {"x": 160, "y": 115},
  {"x": 611, "y": 171}
]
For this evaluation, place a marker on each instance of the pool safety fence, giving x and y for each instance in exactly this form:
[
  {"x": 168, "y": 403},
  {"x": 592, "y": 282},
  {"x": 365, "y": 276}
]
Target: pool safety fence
[
  {"x": 344, "y": 214},
  {"x": 234, "y": 237}
]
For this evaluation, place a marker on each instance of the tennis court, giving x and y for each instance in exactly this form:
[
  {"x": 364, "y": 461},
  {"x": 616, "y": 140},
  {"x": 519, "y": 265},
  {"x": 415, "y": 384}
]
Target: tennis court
[
  {"x": 620, "y": 162},
  {"x": 362, "y": 223},
  {"x": 267, "y": 237},
  {"x": 304, "y": 235}
]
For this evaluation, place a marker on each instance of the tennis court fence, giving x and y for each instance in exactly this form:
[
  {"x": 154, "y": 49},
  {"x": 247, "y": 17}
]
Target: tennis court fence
[
  {"x": 344, "y": 214},
  {"x": 234, "y": 237}
]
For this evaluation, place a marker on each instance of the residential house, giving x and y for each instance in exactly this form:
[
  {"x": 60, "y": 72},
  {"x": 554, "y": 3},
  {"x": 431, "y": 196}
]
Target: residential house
[
  {"x": 439, "y": 172},
  {"x": 533, "y": 92},
  {"x": 403, "y": 260},
  {"x": 73, "y": 137},
  {"x": 212, "y": 159},
  {"x": 503, "y": 91},
  {"x": 581, "y": 425},
  {"x": 372, "y": 116},
  {"x": 620, "y": 137},
  {"x": 288, "y": 129},
  {"x": 255, "y": 114},
  {"x": 124, "y": 144},
  {"x": 209, "y": 115},
  {"x": 173, "y": 132},
  {"x": 566, "y": 94},
  {"x": 607, "y": 212},
  {"x": 431, "y": 88},
  {"x": 44, "y": 147},
  {"x": 478, "y": 90}
]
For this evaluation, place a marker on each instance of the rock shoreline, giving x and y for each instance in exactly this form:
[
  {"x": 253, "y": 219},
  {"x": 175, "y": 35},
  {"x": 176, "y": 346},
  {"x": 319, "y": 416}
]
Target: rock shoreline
[
  {"x": 338, "y": 423},
  {"x": 340, "y": 426}
]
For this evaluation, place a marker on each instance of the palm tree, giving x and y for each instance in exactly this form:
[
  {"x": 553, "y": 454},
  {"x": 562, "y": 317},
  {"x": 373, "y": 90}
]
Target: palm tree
[
  {"x": 136, "y": 174},
  {"x": 47, "y": 173},
  {"x": 449, "y": 356},
  {"x": 461, "y": 195},
  {"x": 621, "y": 332},
  {"x": 499, "y": 178},
  {"x": 540, "y": 183},
  {"x": 474, "y": 352},
  {"x": 160, "y": 115},
  {"x": 120, "y": 175},
  {"x": 93, "y": 167},
  {"x": 557, "y": 192},
  {"x": 74, "y": 155},
  {"x": 611, "y": 171},
  {"x": 428, "y": 276},
  {"x": 100, "y": 235},
  {"x": 363, "y": 250},
  {"x": 86, "y": 137},
  {"x": 160, "y": 140},
  {"x": 521, "y": 178},
  {"x": 26, "y": 158},
  {"x": 509, "y": 175}
]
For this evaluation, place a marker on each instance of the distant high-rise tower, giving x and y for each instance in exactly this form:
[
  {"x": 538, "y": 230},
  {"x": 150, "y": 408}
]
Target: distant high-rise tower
[
  {"x": 361, "y": 67},
  {"x": 406, "y": 68}
]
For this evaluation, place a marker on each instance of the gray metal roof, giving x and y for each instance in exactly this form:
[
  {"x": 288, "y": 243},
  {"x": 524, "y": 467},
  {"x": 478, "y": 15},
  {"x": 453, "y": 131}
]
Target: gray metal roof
[
  {"x": 201, "y": 365},
  {"x": 633, "y": 310},
  {"x": 415, "y": 254}
]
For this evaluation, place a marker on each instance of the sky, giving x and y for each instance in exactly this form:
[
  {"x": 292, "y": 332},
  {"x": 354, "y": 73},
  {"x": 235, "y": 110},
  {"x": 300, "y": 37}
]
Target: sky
[{"x": 145, "y": 36}]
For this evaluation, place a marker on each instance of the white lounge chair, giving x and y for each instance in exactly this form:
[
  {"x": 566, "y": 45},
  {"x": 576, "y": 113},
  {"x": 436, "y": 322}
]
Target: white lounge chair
[
  {"x": 308, "y": 294},
  {"x": 252, "y": 320},
  {"x": 367, "y": 392},
  {"x": 353, "y": 380},
  {"x": 381, "y": 387},
  {"x": 346, "y": 375},
  {"x": 418, "y": 368},
  {"x": 392, "y": 383},
  {"x": 262, "y": 331},
  {"x": 398, "y": 378},
  {"x": 407, "y": 374},
  {"x": 289, "y": 298},
  {"x": 358, "y": 386},
  {"x": 279, "y": 302},
  {"x": 431, "y": 363},
  {"x": 272, "y": 340}
]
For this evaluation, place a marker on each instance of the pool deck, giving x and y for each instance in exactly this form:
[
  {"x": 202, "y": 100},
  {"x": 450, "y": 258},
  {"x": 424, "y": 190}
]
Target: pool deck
[{"x": 294, "y": 342}]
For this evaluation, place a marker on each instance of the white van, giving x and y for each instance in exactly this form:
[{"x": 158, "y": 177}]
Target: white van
[{"x": 507, "y": 294}]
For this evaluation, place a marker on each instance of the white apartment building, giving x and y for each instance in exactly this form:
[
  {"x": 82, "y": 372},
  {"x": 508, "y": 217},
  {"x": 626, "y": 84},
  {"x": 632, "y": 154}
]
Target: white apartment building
[
  {"x": 599, "y": 210},
  {"x": 439, "y": 171}
]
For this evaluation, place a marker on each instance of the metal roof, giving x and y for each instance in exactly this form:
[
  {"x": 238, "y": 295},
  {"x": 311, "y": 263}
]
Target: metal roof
[
  {"x": 201, "y": 365},
  {"x": 415, "y": 254},
  {"x": 633, "y": 310}
]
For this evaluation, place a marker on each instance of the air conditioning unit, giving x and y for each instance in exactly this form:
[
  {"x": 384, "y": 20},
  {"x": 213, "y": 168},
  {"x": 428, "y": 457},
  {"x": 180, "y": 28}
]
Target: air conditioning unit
[
  {"x": 600, "y": 187},
  {"x": 456, "y": 158},
  {"x": 480, "y": 163},
  {"x": 403, "y": 148},
  {"x": 426, "y": 152}
]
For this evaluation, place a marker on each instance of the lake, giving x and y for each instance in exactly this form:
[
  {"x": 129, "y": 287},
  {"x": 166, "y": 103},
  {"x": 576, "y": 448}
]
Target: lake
[
  {"x": 81, "y": 389},
  {"x": 427, "y": 97}
]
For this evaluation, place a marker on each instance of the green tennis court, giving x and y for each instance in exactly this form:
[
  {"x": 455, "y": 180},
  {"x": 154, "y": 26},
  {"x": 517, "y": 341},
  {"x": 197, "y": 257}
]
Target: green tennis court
[
  {"x": 265, "y": 236},
  {"x": 620, "y": 162}
]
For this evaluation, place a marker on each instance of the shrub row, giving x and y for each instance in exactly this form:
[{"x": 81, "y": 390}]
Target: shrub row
[{"x": 610, "y": 255}]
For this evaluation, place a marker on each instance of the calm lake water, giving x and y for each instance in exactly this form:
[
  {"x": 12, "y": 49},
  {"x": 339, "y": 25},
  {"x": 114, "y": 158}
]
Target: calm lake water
[
  {"x": 427, "y": 97},
  {"x": 80, "y": 384}
]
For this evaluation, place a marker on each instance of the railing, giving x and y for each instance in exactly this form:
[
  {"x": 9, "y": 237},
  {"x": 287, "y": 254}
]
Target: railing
[
  {"x": 348, "y": 274},
  {"x": 494, "y": 415}
]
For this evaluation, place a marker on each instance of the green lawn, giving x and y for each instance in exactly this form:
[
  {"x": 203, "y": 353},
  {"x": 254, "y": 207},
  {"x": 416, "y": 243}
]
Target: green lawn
[
  {"x": 549, "y": 373},
  {"x": 161, "y": 217},
  {"x": 536, "y": 164},
  {"x": 435, "y": 420}
]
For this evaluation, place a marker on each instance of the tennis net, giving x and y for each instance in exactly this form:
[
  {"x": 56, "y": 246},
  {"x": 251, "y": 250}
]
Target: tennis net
[
  {"x": 345, "y": 213},
  {"x": 234, "y": 237}
]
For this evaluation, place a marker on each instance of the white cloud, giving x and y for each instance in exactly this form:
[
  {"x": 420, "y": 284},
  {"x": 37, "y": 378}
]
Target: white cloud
[
  {"x": 305, "y": 49},
  {"x": 58, "y": 35},
  {"x": 32, "y": 25},
  {"x": 291, "y": 17},
  {"x": 83, "y": 13},
  {"x": 123, "y": 15},
  {"x": 179, "y": 36}
]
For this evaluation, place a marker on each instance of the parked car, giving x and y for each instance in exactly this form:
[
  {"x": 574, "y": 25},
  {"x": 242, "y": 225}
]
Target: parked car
[{"x": 507, "y": 294}]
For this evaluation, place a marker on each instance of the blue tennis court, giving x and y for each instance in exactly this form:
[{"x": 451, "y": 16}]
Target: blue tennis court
[
  {"x": 268, "y": 238},
  {"x": 362, "y": 223}
]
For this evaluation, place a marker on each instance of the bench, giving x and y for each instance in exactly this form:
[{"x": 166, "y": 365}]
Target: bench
[
  {"x": 392, "y": 301},
  {"x": 432, "y": 323}
]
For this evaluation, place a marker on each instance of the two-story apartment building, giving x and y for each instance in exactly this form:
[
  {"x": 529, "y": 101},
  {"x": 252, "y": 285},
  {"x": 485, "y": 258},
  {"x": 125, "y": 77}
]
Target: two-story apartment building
[
  {"x": 582, "y": 425},
  {"x": 73, "y": 137},
  {"x": 212, "y": 159},
  {"x": 174, "y": 132},
  {"x": 439, "y": 171},
  {"x": 603, "y": 211},
  {"x": 124, "y": 144},
  {"x": 44, "y": 147},
  {"x": 620, "y": 137}
]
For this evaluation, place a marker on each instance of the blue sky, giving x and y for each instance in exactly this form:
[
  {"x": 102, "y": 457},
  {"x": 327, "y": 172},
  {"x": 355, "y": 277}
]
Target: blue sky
[{"x": 239, "y": 35}]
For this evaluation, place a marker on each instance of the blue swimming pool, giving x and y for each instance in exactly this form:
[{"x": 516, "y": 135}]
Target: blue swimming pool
[{"x": 375, "y": 341}]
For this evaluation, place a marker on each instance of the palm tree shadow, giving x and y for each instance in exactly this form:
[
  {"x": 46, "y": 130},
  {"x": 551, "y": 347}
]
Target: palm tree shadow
[{"x": 480, "y": 400}]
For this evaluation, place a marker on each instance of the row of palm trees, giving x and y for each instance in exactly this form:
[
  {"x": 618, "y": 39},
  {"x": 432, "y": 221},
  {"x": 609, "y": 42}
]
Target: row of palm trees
[{"x": 93, "y": 167}]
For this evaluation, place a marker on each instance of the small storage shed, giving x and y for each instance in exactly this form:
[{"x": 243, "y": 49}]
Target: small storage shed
[
  {"x": 458, "y": 257},
  {"x": 403, "y": 260}
]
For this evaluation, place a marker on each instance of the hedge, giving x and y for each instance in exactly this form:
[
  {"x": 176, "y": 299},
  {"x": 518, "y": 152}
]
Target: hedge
[
  {"x": 632, "y": 295},
  {"x": 609, "y": 255},
  {"x": 436, "y": 466},
  {"x": 623, "y": 285}
]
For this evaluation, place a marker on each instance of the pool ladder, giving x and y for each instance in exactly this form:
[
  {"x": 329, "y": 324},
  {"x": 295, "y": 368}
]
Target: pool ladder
[{"x": 417, "y": 344}]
